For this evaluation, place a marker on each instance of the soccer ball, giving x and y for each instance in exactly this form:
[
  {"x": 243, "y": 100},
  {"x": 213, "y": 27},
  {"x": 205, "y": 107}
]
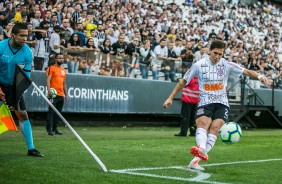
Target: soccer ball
[
  {"x": 230, "y": 132},
  {"x": 54, "y": 93}
]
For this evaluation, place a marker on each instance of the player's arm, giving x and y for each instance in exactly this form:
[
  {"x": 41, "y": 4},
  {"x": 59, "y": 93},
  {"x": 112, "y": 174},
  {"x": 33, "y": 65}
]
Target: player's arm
[
  {"x": 179, "y": 86},
  {"x": 48, "y": 80},
  {"x": 48, "y": 85},
  {"x": 65, "y": 91},
  {"x": 260, "y": 77},
  {"x": 182, "y": 82},
  {"x": 27, "y": 63}
]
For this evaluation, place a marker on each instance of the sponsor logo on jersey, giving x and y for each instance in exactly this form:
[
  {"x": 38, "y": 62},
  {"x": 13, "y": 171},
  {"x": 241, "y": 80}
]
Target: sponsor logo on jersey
[{"x": 213, "y": 87}]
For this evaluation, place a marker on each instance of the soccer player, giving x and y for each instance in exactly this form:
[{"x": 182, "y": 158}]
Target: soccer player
[
  {"x": 212, "y": 111},
  {"x": 56, "y": 78},
  {"x": 14, "y": 51}
]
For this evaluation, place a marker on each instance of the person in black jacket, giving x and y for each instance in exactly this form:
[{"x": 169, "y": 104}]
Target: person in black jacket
[
  {"x": 120, "y": 46},
  {"x": 119, "y": 50},
  {"x": 145, "y": 58},
  {"x": 169, "y": 63},
  {"x": 132, "y": 50}
]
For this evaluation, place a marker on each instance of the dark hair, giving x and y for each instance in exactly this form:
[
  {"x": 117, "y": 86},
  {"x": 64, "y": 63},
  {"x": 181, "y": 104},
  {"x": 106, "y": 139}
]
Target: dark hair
[
  {"x": 87, "y": 42},
  {"x": 18, "y": 26},
  {"x": 58, "y": 54},
  {"x": 75, "y": 43},
  {"x": 217, "y": 44}
]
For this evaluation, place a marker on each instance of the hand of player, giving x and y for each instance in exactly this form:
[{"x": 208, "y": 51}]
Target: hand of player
[
  {"x": 266, "y": 81},
  {"x": 66, "y": 98},
  {"x": 167, "y": 103},
  {"x": 50, "y": 94},
  {"x": 2, "y": 96}
]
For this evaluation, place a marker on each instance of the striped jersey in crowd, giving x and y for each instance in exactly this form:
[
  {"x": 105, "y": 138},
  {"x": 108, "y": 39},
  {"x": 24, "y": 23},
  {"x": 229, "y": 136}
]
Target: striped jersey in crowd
[
  {"x": 101, "y": 37},
  {"x": 212, "y": 79}
]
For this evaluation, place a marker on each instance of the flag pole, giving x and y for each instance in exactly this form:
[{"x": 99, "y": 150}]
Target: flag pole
[{"x": 70, "y": 127}]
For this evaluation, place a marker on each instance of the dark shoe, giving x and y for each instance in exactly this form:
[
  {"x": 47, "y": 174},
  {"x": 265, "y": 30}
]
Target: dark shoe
[
  {"x": 58, "y": 132},
  {"x": 50, "y": 133},
  {"x": 192, "y": 134},
  {"x": 180, "y": 135},
  {"x": 34, "y": 153}
]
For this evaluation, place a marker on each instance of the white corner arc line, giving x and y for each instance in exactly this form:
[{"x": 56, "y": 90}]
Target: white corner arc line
[
  {"x": 202, "y": 177},
  {"x": 242, "y": 162}
]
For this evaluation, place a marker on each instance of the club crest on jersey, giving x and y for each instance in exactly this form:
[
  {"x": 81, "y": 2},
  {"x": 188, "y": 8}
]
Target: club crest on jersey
[
  {"x": 200, "y": 111},
  {"x": 63, "y": 72},
  {"x": 220, "y": 70}
]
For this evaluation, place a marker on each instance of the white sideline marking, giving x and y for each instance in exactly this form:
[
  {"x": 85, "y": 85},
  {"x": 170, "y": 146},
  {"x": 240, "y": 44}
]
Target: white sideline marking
[{"x": 201, "y": 178}]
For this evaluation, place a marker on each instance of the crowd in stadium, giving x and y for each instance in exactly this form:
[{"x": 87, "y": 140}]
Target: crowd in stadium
[{"x": 134, "y": 38}]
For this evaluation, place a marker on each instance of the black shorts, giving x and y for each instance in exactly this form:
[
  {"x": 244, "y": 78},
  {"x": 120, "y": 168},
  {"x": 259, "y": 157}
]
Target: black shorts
[
  {"x": 214, "y": 111},
  {"x": 9, "y": 91}
]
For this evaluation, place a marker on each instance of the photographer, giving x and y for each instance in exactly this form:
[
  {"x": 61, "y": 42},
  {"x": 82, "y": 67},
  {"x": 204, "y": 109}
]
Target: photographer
[
  {"x": 187, "y": 57},
  {"x": 145, "y": 59},
  {"x": 132, "y": 51},
  {"x": 169, "y": 64},
  {"x": 39, "y": 50}
]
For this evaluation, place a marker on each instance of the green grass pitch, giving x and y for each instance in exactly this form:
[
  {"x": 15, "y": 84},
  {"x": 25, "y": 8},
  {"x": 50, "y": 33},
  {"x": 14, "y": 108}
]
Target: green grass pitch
[{"x": 135, "y": 155}]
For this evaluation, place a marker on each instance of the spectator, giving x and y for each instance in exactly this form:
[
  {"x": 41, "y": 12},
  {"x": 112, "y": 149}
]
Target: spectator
[
  {"x": 8, "y": 13},
  {"x": 187, "y": 58},
  {"x": 160, "y": 54},
  {"x": 76, "y": 14},
  {"x": 132, "y": 50},
  {"x": 145, "y": 59},
  {"x": 201, "y": 54},
  {"x": 39, "y": 50},
  {"x": 36, "y": 20},
  {"x": 65, "y": 31},
  {"x": 18, "y": 15},
  {"x": 169, "y": 64},
  {"x": 55, "y": 44}
]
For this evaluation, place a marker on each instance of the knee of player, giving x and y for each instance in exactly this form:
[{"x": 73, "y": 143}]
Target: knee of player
[
  {"x": 22, "y": 115},
  {"x": 203, "y": 122},
  {"x": 215, "y": 126}
]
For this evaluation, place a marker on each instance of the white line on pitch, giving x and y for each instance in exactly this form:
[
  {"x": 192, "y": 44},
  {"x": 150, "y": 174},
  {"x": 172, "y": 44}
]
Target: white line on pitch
[
  {"x": 200, "y": 178},
  {"x": 242, "y": 162},
  {"x": 201, "y": 175}
]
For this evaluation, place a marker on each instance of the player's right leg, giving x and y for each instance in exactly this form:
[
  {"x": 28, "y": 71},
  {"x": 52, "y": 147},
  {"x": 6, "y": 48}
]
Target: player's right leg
[{"x": 203, "y": 122}]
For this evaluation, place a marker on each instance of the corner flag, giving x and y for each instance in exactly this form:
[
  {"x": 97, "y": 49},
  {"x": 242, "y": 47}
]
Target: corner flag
[
  {"x": 20, "y": 84},
  {"x": 6, "y": 120}
]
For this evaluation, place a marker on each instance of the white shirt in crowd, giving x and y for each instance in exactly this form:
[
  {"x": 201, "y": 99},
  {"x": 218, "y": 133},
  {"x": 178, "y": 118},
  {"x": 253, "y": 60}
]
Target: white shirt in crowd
[
  {"x": 163, "y": 52},
  {"x": 55, "y": 40}
]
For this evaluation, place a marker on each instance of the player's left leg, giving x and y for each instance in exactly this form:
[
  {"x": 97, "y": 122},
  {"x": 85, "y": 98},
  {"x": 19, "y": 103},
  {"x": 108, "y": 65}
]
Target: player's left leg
[
  {"x": 25, "y": 128},
  {"x": 59, "y": 103}
]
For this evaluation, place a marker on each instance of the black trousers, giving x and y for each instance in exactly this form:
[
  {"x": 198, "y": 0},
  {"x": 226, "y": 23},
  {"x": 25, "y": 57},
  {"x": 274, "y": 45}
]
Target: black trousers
[
  {"x": 52, "y": 117},
  {"x": 188, "y": 112},
  {"x": 38, "y": 63}
]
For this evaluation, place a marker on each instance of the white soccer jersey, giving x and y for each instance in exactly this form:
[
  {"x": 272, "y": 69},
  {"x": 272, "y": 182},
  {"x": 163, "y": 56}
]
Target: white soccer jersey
[{"x": 212, "y": 79}]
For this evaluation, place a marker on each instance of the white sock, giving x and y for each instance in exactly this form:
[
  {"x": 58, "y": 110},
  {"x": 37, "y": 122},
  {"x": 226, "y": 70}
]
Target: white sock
[
  {"x": 211, "y": 139},
  {"x": 201, "y": 138},
  {"x": 210, "y": 142}
]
